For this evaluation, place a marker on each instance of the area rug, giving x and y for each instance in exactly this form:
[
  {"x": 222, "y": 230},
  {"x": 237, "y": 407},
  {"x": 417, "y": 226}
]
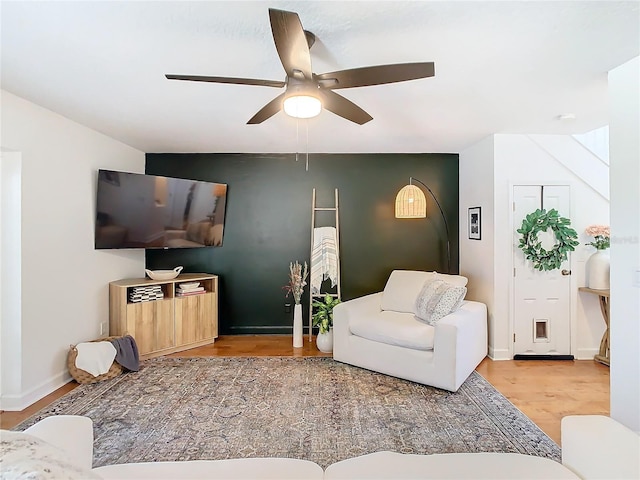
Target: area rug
[{"x": 309, "y": 408}]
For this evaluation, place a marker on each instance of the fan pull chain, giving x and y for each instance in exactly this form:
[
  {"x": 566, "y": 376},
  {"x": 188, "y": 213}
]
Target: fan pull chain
[
  {"x": 297, "y": 137},
  {"x": 307, "y": 125}
]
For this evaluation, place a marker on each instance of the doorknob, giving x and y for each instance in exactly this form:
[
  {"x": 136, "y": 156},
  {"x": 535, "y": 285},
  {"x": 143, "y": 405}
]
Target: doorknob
[{"x": 566, "y": 272}]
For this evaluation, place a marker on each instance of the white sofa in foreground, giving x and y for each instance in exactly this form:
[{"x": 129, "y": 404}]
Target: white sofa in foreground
[
  {"x": 381, "y": 332},
  {"x": 594, "y": 447}
]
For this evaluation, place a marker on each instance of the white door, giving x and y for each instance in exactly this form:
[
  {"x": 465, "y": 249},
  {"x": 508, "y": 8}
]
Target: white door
[{"x": 541, "y": 299}]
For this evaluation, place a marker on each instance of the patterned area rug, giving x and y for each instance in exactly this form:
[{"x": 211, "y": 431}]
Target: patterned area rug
[{"x": 309, "y": 408}]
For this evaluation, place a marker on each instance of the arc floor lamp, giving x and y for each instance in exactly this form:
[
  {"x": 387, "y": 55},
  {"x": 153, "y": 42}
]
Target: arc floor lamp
[{"x": 411, "y": 203}]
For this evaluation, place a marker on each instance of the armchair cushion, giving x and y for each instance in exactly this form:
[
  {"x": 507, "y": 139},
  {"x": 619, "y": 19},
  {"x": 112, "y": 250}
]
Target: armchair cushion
[
  {"x": 402, "y": 288},
  {"x": 438, "y": 299},
  {"x": 394, "y": 328}
]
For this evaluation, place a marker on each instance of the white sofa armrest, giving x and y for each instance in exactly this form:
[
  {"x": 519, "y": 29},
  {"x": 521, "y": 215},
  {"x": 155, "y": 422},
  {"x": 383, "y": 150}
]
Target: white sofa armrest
[
  {"x": 460, "y": 340},
  {"x": 366, "y": 306},
  {"x": 71, "y": 433},
  {"x": 598, "y": 447}
]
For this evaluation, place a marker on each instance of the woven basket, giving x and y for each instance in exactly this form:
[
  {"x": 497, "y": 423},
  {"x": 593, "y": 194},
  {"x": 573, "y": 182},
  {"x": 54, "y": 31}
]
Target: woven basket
[{"x": 81, "y": 376}]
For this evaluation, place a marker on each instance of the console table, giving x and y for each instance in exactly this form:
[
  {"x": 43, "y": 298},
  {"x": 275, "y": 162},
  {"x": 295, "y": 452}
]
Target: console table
[
  {"x": 170, "y": 324},
  {"x": 603, "y": 295}
]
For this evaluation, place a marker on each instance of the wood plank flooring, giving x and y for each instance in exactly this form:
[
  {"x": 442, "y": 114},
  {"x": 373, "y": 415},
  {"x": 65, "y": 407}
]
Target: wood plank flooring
[
  {"x": 547, "y": 390},
  {"x": 543, "y": 390}
]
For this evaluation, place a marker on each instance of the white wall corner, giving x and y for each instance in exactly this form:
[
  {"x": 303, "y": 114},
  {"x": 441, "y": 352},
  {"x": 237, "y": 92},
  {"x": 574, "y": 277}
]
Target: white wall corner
[
  {"x": 477, "y": 256},
  {"x": 57, "y": 151}
]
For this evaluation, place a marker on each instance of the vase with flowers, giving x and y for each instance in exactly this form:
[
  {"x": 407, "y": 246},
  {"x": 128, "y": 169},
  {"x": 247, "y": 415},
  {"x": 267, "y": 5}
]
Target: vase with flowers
[
  {"x": 597, "y": 274},
  {"x": 297, "y": 281}
]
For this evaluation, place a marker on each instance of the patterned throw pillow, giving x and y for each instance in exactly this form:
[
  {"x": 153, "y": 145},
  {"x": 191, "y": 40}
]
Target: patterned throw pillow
[
  {"x": 27, "y": 457},
  {"x": 438, "y": 299}
]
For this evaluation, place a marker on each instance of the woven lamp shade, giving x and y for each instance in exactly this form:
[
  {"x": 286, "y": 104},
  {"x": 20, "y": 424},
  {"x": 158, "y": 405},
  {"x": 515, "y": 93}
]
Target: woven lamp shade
[{"x": 411, "y": 203}]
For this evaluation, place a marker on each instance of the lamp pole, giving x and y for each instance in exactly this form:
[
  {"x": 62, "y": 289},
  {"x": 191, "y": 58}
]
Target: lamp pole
[{"x": 446, "y": 225}]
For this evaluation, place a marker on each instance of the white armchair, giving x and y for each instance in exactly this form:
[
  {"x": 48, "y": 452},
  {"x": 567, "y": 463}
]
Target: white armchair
[{"x": 381, "y": 332}]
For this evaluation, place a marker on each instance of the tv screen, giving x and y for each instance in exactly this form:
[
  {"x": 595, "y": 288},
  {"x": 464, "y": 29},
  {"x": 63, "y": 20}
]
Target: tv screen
[{"x": 146, "y": 211}]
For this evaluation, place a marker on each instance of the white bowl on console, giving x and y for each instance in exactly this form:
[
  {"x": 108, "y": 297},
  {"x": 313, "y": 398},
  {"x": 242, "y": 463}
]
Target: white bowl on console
[{"x": 163, "y": 274}]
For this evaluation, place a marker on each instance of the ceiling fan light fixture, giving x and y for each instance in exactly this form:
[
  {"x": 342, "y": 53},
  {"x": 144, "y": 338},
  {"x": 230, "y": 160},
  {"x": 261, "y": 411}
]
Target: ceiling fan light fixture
[
  {"x": 307, "y": 94},
  {"x": 302, "y": 106}
]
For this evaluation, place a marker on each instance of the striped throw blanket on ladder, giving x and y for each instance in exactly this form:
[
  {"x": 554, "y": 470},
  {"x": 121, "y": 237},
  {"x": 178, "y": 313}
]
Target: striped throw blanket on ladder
[{"x": 324, "y": 258}]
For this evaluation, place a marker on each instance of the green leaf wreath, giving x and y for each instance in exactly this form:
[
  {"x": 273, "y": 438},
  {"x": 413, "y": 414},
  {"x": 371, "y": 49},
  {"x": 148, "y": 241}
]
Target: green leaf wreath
[{"x": 541, "y": 221}]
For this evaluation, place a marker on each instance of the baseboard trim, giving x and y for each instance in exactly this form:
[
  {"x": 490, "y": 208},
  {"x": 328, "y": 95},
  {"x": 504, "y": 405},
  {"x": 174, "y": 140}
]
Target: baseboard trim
[
  {"x": 18, "y": 402},
  {"x": 586, "y": 353},
  {"x": 262, "y": 330},
  {"x": 258, "y": 329},
  {"x": 519, "y": 356},
  {"x": 499, "y": 354}
]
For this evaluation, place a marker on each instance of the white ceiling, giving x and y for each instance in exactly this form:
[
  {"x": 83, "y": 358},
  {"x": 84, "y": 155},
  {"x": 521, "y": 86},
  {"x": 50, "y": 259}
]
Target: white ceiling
[{"x": 501, "y": 67}]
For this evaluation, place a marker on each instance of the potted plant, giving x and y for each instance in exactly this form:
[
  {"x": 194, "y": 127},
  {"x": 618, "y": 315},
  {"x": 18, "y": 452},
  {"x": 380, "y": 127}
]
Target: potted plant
[{"x": 323, "y": 319}]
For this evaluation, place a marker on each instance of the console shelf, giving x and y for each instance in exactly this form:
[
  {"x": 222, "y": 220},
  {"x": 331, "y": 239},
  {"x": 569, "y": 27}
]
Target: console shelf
[{"x": 171, "y": 324}]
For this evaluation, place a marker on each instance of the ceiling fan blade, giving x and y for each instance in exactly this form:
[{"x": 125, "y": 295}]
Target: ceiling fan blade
[
  {"x": 238, "y": 81},
  {"x": 268, "y": 111},
  {"x": 376, "y": 75},
  {"x": 291, "y": 43},
  {"x": 345, "y": 108}
]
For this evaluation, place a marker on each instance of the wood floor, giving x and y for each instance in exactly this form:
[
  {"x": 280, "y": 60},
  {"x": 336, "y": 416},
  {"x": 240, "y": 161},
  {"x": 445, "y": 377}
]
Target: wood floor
[{"x": 545, "y": 391}]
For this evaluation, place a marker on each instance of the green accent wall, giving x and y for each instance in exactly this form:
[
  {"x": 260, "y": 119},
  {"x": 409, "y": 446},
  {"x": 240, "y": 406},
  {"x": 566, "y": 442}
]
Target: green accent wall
[{"x": 268, "y": 225}]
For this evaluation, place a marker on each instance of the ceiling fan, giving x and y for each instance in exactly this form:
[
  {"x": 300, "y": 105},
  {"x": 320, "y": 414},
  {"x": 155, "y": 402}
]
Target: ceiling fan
[{"x": 306, "y": 93}]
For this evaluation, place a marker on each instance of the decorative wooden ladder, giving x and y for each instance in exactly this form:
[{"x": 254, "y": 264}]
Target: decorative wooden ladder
[{"x": 320, "y": 294}]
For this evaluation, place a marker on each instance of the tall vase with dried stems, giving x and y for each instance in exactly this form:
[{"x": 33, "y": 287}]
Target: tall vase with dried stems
[
  {"x": 297, "y": 326},
  {"x": 297, "y": 281}
]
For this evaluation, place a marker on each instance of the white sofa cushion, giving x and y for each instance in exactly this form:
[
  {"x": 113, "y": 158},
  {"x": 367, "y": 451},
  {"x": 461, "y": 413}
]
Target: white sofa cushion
[
  {"x": 448, "y": 466},
  {"x": 233, "y": 468},
  {"x": 403, "y": 286},
  {"x": 438, "y": 299},
  {"x": 394, "y": 328}
]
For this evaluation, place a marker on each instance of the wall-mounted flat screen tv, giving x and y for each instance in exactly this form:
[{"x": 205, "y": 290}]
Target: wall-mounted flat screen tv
[{"x": 147, "y": 211}]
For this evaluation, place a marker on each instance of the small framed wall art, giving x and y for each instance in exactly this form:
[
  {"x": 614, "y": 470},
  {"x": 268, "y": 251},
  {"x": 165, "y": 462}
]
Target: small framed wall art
[{"x": 475, "y": 223}]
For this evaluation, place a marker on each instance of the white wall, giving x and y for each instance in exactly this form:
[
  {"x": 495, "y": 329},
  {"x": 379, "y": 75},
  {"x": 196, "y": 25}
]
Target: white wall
[
  {"x": 64, "y": 280},
  {"x": 519, "y": 160},
  {"x": 10, "y": 304},
  {"x": 624, "y": 125},
  {"x": 477, "y": 256}
]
